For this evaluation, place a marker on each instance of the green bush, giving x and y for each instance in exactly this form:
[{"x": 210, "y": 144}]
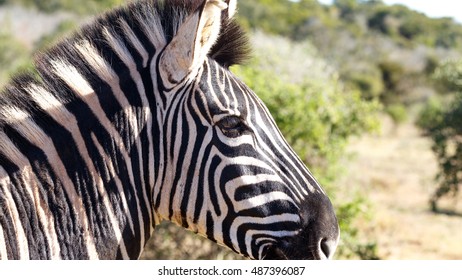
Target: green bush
[
  {"x": 63, "y": 29},
  {"x": 392, "y": 74},
  {"x": 13, "y": 57},
  {"x": 412, "y": 28},
  {"x": 348, "y": 8},
  {"x": 286, "y": 18},
  {"x": 443, "y": 124},
  {"x": 350, "y": 247},
  {"x": 369, "y": 83},
  {"x": 446, "y": 134},
  {"x": 449, "y": 76},
  {"x": 76, "y": 6},
  {"x": 378, "y": 21},
  {"x": 431, "y": 114},
  {"x": 398, "y": 112}
]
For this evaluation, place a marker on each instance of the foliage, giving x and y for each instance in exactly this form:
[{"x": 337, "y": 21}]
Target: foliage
[
  {"x": 317, "y": 116},
  {"x": 16, "y": 58},
  {"x": 378, "y": 22},
  {"x": 171, "y": 242},
  {"x": 449, "y": 76},
  {"x": 443, "y": 124},
  {"x": 397, "y": 112},
  {"x": 350, "y": 247},
  {"x": 63, "y": 29},
  {"x": 330, "y": 114},
  {"x": 285, "y": 18},
  {"x": 392, "y": 73},
  {"x": 76, "y": 6},
  {"x": 347, "y": 8},
  {"x": 431, "y": 114},
  {"x": 403, "y": 24},
  {"x": 293, "y": 19},
  {"x": 370, "y": 83},
  {"x": 387, "y": 53},
  {"x": 13, "y": 57}
]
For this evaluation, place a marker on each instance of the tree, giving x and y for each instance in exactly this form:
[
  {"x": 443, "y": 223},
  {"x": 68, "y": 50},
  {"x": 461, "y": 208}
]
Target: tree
[
  {"x": 444, "y": 126},
  {"x": 347, "y": 8}
]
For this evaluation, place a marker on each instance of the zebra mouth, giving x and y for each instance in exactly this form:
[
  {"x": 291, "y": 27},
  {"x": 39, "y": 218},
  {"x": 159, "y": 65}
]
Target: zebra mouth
[
  {"x": 275, "y": 253},
  {"x": 293, "y": 249}
]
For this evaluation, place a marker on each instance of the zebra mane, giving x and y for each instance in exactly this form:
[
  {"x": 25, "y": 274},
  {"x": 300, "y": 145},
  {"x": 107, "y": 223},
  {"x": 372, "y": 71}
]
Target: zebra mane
[{"x": 231, "y": 47}]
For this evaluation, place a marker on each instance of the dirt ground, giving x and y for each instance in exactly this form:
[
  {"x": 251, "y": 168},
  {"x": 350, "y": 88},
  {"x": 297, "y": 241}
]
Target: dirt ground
[{"x": 396, "y": 171}]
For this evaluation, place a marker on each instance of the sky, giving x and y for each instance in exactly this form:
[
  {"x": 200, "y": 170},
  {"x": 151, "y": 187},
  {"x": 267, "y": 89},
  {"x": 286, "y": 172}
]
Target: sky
[{"x": 432, "y": 8}]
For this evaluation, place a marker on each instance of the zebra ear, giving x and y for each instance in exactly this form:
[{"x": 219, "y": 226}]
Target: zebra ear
[
  {"x": 194, "y": 39},
  {"x": 232, "y": 7}
]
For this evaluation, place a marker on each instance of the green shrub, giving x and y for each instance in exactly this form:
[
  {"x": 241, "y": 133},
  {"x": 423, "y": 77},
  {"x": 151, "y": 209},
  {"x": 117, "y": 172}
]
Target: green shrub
[
  {"x": 412, "y": 28},
  {"x": 286, "y": 18},
  {"x": 446, "y": 133},
  {"x": 398, "y": 112},
  {"x": 13, "y": 56},
  {"x": 349, "y": 246},
  {"x": 76, "y": 6},
  {"x": 392, "y": 74},
  {"x": 378, "y": 21},
  {"x": 369, "y": 83},
  {"x": 443, "y": 124},
  {"x": 347, "y": 8},
  {"x": 63, "y": 29},
  {"x": 449, "y": 76},
  {"x": 431, "y": 114}
]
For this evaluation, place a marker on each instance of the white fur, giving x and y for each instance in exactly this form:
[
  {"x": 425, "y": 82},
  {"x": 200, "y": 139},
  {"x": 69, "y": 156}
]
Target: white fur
[
  {"x": 22, "y": 123},
  {"x": 32, "y": 184},
  {"x": 5, "y": 184}
]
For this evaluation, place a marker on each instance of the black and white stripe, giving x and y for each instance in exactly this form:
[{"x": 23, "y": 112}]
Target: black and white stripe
[{"x": 136, "y": 119}]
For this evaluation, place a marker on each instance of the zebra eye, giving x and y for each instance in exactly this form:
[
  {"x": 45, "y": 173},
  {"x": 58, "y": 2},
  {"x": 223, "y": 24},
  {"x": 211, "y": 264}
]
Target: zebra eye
[{"x": 232, "y": 126}]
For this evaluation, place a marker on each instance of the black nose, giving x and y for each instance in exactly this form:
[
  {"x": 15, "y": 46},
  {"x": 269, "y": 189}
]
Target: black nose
[
  {"x": 299, "y": 248},
  {"x": 318, "y": 237},
  {"x": 321, "y": 231},
  {"x": 327, "y": 248}
]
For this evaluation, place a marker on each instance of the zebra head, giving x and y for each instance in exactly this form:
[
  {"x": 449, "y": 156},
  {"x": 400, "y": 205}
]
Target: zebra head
[{"x": 228, "y": 174}]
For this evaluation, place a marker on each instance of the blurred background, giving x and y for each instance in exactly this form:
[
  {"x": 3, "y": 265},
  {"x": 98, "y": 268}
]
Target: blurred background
[{"x": 369, "y": 93}]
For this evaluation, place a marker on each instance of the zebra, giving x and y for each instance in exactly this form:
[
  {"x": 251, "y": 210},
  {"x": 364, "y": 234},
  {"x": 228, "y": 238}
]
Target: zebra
[{"x": 135, "y": 119}]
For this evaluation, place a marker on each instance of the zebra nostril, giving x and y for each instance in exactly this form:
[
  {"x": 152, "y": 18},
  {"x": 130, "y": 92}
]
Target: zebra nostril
[{"x": 327, "y": 248}]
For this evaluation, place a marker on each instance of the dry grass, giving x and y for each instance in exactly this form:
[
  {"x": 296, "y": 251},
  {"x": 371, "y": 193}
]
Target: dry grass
[{"x": 396, "y": 172}]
